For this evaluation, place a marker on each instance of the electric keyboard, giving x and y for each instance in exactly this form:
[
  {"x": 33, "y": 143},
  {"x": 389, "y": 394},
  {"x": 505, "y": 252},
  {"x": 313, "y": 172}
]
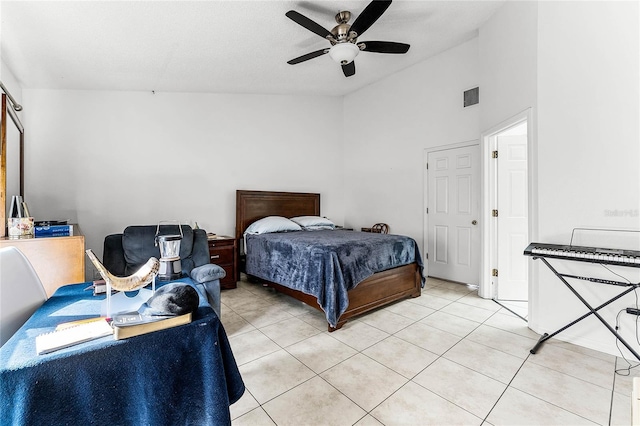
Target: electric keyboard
[
  {"x": 592, "y": 255},
  {"x": 585, "y": 254}
]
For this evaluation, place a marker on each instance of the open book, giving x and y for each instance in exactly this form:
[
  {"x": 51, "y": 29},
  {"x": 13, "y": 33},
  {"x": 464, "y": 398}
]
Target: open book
[{"x": 72, "y": 335}]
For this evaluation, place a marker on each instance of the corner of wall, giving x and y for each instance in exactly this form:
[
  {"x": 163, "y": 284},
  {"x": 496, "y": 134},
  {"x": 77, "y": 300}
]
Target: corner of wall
[{"x": 10, "y": 81}]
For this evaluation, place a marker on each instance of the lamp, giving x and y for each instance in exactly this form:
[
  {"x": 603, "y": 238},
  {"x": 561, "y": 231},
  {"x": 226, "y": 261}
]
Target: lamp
[
  {"x": 344, "y": 53},
  {"x": 170, "y": 265}
]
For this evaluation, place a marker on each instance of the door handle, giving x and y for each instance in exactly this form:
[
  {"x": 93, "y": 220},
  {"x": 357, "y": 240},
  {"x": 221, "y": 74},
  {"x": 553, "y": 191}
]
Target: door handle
[{"x": 474, "y": 222}]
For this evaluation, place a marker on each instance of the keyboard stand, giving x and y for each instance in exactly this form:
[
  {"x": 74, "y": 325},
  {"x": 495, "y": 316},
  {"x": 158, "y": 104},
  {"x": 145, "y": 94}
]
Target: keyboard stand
[{"x": 630, "y": 287}]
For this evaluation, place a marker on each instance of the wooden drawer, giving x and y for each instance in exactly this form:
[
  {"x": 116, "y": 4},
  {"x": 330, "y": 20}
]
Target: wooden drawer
[
  {"x": 217, "y": 243},
  {"x": 223, "y": 252},
  {"x": 221, "y": 255}
]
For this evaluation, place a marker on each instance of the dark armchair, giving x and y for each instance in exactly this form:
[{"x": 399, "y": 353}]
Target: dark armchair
[{"x": 125, "y": 253}]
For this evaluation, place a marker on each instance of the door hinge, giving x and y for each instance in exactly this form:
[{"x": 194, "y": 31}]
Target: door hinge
[
  {"x": 427, "y": 164},
  {"x": 494, "y": 212},
  {"x": 494, "y": 272},
  {"x": 494, "y": 154},
  {"x": 427, "y": 210},
  {"x": 426, "y": 256}
]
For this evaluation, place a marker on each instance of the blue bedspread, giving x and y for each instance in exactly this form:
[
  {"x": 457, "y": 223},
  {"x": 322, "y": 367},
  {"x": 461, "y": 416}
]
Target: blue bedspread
[{"x": 327, "y": 264}]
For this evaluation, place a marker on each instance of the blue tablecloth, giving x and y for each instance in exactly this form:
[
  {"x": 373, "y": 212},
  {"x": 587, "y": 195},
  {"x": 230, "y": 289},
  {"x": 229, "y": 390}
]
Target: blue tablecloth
[{"x": 184, "y": 375}]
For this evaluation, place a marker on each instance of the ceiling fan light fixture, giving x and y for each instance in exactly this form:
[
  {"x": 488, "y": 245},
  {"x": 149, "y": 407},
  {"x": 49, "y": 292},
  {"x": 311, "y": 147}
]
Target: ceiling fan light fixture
[{"x": 344, "y": 53}]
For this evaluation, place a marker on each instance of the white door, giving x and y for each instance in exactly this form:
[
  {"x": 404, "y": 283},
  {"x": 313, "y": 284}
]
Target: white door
[
  {"x": 453, "y": 231},
  {"x": 512, "y": 203}
]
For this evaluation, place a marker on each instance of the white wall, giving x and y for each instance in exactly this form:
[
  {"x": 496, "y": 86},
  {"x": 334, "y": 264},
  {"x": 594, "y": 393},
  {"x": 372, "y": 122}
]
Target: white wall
[
  {"x": 588, "y": 151},
  {"x": 106, "y": 160},
  {"x": 508, "y": 63},
  {"x": 387, "y": 127},
  {"x": 10, "y": 81},
  {"x": 13, "y": 136}
]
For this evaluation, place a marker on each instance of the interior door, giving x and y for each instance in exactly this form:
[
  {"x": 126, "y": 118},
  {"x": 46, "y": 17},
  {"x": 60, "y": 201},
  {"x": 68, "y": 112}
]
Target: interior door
[
  {"x": 453, "y": 231},
  {"x": 513, "y": 236}
]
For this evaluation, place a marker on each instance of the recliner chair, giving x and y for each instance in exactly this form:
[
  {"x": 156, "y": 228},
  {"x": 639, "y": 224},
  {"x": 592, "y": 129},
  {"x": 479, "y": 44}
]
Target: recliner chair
[{"x": 125, "y": 253}]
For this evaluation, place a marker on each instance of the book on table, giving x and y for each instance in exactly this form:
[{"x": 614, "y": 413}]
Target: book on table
[
  {"x": 135, "y": 324},
  {"x": 53, "y": 231}
]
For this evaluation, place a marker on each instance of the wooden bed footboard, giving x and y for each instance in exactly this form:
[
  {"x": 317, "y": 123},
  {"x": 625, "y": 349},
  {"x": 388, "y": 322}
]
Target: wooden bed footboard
[{"x": 376, "y": 291}]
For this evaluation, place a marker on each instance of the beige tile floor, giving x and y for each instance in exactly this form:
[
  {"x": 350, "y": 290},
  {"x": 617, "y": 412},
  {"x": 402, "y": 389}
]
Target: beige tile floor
[{"x": 445, "y": 358}]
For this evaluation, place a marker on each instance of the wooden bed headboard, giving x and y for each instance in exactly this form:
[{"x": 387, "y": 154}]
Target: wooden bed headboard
[{"x": 254, "y": 205}]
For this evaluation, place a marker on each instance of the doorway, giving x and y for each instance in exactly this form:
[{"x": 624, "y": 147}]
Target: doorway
[
  {"x": 507, "y": 200},
  {"x": 451, "y": 212}
]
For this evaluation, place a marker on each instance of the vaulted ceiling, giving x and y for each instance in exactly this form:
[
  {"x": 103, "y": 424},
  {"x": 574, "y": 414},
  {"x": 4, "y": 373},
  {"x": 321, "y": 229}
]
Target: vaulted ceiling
[{"x": 216, "y": 46}]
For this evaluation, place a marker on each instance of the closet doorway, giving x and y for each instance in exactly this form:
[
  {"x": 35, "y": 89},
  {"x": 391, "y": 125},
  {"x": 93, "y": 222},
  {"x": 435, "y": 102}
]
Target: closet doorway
[{"x": 507, "y": 201}]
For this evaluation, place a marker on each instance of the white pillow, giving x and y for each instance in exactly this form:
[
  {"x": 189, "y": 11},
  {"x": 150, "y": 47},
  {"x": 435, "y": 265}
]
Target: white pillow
[
  {"x": 272, "y": 224},
  {"x": 311, "y": 221}
]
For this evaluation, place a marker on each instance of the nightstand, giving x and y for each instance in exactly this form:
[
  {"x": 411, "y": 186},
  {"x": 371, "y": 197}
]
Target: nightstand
[{"x": 223, "y": 252}]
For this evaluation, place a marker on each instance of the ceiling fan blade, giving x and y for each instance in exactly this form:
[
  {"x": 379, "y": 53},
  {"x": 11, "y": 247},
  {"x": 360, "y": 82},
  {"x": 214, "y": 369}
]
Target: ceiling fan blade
[
  {"x": 308, "y": 23},
  {"x": 349, "y": 69},
  {"x": 384, "y": 47},
  {"x": 307, "y": 56},
  {"x": 369, "y": 15}
]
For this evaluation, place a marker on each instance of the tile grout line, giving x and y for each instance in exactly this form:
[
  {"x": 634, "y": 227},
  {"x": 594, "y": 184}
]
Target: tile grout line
[
  {"x": 534, "y": 396},
  {"x": 506, "y": 388},
  {"x": 414, "y": 321},
  {"x": 367, "y": 412},
  {"x": 439, "y": 356}
]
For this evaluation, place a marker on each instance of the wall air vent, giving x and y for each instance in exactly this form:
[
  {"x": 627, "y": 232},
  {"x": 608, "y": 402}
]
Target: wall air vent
[{"x": 471, "y": 96}]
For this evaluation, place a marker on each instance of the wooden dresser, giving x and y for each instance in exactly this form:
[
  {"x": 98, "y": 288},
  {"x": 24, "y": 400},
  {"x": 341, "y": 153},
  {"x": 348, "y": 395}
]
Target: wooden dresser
[
  {"x": 224, "y": 251},
  {"x": 58, "y": 261}
]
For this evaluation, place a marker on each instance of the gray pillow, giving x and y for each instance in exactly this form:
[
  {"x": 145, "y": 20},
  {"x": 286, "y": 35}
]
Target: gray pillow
[{"x": 208, "y": 272}]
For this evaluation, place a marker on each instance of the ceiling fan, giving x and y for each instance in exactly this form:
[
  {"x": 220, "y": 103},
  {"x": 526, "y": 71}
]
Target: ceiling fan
[{"x": 344, "y": 36}]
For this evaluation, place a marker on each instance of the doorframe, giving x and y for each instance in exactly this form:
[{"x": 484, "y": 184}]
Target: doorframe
[
  {"x": 488, "y": 232},
  {"x": 425, "y": 192}
]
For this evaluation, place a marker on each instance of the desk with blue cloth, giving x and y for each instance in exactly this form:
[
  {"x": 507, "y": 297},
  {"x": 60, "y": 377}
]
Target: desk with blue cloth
[{"x": 178, "y": 376}]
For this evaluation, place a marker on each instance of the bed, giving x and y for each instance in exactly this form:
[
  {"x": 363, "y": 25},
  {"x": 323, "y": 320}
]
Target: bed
[{"x": 378, "y": 289}]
